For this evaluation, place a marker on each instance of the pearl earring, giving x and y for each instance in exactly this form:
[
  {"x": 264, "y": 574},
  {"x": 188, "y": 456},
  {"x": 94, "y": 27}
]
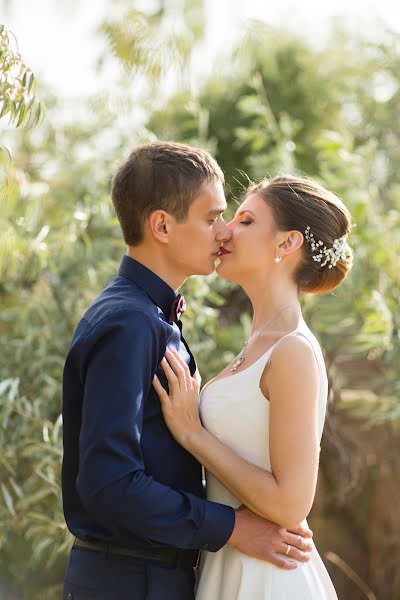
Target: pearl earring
[{"x": 277, "y": 259}]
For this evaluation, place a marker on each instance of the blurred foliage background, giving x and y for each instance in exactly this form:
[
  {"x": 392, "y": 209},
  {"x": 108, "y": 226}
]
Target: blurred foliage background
[{"x": 275, "y": 104}]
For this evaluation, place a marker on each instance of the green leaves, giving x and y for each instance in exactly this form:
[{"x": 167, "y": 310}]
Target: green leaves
[
  {"x": 150, "y": 43},
  {"x": 8, "y": 499},
  {"x": 276, "y": 105},
  {"x": 17, "y": 87}
]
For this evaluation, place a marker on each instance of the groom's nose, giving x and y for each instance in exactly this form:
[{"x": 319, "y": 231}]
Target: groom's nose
[{"x": 223, "y": 233}]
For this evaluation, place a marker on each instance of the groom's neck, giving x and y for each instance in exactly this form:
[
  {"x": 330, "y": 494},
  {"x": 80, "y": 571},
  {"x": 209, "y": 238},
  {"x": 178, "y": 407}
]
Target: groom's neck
[{"x": 151, "y": 258}]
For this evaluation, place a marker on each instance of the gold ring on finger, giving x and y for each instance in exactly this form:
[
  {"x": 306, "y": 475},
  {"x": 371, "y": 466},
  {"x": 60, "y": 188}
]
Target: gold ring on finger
[{"x": 287, "y": 549}]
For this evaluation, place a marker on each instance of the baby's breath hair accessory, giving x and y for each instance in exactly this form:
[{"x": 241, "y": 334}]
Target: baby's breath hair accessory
[{"x": 324, "y": 255}]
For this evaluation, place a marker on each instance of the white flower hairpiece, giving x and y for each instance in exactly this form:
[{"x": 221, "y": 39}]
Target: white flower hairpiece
[{"x": 325, "y": 255}]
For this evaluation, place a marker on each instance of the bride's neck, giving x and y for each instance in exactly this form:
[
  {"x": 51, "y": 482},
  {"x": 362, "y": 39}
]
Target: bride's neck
[{"x": 278, "y": 303}]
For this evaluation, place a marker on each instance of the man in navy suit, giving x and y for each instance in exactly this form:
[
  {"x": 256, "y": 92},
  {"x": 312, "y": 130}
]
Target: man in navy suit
[{"x": 133, "y": 498}]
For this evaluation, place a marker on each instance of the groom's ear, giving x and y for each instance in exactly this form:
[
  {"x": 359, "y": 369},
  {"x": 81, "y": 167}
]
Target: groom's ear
[{"x": 160, "y": 225}]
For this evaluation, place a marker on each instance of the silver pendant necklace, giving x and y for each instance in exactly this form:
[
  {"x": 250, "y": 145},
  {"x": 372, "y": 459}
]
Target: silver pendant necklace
[
  {"x": 241, "y": 356},
  {"x": 239, "y": 359}
]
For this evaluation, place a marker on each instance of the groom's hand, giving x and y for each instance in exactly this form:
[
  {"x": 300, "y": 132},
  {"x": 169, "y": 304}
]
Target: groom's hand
[{"x": 267, "y": 541}]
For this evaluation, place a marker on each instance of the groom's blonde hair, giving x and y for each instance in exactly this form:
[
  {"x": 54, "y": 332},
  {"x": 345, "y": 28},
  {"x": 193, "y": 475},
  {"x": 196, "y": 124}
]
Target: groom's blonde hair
[{"x": 160, "y": 176}]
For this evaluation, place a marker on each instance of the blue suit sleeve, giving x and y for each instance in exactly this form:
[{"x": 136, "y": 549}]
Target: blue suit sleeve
[{"x": 117, "y": 372}]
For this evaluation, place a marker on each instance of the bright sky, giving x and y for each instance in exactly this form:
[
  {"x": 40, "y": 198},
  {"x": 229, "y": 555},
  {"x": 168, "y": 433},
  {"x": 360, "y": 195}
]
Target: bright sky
[{"x": 57, "y": 38}]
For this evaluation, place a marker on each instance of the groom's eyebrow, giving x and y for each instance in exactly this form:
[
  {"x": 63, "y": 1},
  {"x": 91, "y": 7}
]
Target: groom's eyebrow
[{"x": 217, "y": 211}]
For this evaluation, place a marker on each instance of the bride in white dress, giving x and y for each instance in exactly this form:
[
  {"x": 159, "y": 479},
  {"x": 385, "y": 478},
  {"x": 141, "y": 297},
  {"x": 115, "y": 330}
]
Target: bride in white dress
[{"x": 262, "y": 417}]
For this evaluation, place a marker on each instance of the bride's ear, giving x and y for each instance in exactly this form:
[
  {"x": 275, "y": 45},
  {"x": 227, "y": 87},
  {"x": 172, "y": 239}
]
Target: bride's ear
[{"x": 290, "y": 242}]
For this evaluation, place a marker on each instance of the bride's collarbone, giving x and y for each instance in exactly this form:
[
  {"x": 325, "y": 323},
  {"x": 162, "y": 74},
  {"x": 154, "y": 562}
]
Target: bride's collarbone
[{"x": 253, "y": 353}]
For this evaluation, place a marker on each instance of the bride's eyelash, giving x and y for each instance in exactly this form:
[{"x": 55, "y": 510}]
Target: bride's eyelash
[{"x": 246, "y": 222}]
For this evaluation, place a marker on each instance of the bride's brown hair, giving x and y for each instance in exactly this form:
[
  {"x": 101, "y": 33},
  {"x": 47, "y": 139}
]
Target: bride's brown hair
[{"x": 298, "y": 203}]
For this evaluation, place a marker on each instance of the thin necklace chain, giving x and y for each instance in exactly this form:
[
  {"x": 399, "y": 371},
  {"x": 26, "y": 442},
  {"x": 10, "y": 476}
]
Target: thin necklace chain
[{"x": 242, "y": 354}]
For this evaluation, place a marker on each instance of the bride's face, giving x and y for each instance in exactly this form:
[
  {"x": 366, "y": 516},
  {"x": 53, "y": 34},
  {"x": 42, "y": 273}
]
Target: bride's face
[{"x": 252, "y": 248}]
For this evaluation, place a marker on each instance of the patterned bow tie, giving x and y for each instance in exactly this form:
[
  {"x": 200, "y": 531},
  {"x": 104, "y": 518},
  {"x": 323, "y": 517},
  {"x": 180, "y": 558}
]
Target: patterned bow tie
[{"x": 177, "y": 309}]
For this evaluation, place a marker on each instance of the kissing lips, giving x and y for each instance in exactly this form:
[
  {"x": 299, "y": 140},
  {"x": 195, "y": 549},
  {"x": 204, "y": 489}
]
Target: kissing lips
[{"x": 223, "y": 252}]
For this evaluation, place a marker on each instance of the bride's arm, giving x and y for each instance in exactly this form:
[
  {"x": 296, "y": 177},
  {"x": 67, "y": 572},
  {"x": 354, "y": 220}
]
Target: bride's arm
[{"x": 291, "y": 383}]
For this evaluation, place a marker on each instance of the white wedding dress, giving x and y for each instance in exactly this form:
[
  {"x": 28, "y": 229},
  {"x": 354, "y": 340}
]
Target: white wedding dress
[{"x": 235, "y": 411}]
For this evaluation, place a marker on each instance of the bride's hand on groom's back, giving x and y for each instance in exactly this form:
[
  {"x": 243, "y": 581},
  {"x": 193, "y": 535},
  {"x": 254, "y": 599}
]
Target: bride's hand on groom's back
[{"x": 267, "y": 541}]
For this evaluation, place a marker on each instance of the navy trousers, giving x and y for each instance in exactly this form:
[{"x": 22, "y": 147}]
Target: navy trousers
[{"x": 94, "y": 575}]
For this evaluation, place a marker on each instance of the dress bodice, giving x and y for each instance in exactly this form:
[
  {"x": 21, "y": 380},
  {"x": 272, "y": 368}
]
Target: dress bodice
[{"x": 234, "y": 410}]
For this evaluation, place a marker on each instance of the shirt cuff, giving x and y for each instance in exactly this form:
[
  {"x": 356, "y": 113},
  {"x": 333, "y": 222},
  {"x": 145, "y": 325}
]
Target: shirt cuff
[{"x": 217, "y": 527}]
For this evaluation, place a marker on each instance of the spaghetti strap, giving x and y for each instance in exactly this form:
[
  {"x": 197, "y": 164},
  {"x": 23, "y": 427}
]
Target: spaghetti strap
[
  {"x": 318, "y": 355},
  {"x": 291, "y": 333},
  {"x": 272, "y": 348}
]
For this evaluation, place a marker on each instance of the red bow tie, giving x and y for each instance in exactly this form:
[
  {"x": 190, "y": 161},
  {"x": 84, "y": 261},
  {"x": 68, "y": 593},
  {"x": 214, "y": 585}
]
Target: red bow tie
[{"x": 177, "y": 309}]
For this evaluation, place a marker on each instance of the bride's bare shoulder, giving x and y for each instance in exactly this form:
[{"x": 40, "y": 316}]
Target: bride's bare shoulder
[{"x": 293, "y": 357}]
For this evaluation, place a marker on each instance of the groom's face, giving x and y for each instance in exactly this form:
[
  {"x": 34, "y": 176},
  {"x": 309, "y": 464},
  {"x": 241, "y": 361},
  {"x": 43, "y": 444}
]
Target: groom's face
[{"x": 195, "y": 243}]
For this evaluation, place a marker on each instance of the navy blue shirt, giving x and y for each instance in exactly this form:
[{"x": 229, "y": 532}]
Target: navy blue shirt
[{"x": 125, "y": 479}]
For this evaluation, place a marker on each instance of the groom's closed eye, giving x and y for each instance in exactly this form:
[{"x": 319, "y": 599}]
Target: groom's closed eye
[{"x": 214, "y": 216}]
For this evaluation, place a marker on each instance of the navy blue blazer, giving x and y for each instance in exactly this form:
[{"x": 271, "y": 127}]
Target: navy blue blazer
[{"x": 125, "y": 479}]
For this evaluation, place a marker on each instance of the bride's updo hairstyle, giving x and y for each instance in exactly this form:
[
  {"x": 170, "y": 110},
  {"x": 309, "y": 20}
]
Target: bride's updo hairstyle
[{"x": 304, "y": 205}]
